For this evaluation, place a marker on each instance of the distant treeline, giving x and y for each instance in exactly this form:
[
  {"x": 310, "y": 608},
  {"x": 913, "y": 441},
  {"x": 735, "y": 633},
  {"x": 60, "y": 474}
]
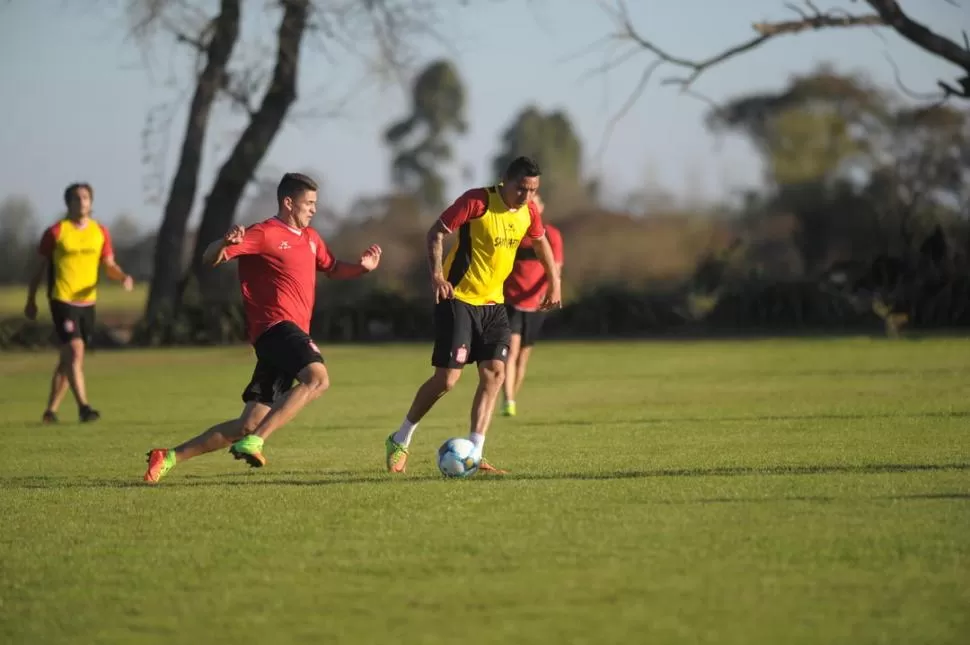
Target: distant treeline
[{"x": 862, "y": 223}]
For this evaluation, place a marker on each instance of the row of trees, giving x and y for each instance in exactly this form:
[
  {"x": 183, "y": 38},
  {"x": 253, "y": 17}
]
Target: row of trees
[
  {"x": 391, "y": 28},
  {"x": 851, "y": 174},
  {"x": 863, "y": 212}
]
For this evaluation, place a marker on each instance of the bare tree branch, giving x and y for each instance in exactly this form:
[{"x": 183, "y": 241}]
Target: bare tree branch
[
  {"x": 197, "y": 42},
  {"x": 893, "y": 16},
  {"x": 817, "y": 21},
  {"x": 811, "y": 19},
  {"x": 156, "y": 144},
  {"x": 630, "y": 102},
  {"x": 242, "y": 87},
  {"x": 217, "y": 37},
  {"x": 916, "y": 96},
  {"x": 888, "y": 13},
  {"x": 391, "y": 27}
]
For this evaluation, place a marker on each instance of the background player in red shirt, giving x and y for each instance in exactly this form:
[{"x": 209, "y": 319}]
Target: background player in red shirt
[
  {"x": 278, "y": 263},
  {"x": 524, "y": 290}
]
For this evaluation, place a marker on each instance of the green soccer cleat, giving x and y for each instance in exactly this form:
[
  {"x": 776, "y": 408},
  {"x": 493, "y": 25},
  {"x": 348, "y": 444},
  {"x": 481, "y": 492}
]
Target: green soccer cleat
[
  {"x": 250, "y": 450},
  {"x": 508, "y": 409},
  {"x": 160, "y": 461},
  {"x": 397, "y": 455}
]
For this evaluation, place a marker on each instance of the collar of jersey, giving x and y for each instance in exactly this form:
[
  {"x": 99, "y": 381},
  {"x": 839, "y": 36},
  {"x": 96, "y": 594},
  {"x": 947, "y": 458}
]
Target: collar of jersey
[{"x": 295, "y": 231}]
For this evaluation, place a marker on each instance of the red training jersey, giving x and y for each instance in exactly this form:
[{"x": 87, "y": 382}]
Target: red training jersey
[
  {"x": 278, "y": 274},
  {"x": 526, "y": 285}
]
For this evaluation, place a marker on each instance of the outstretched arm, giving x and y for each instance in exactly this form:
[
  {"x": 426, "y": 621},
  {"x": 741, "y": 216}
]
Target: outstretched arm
[
  {"x": 214, "y": 254},
  {"x": 236, "y": 238},
  {"x": 340, "y": 270}
]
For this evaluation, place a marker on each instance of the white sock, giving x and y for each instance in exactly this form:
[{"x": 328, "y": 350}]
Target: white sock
[
  {"x": 479, "y": 441},
  {"x": 403, "y": 434}
]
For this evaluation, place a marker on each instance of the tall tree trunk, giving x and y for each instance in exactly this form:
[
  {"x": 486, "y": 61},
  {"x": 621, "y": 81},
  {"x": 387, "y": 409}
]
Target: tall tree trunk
[
  {"x": 171, "y": 234},
  {"x": 239, "y": 168}
]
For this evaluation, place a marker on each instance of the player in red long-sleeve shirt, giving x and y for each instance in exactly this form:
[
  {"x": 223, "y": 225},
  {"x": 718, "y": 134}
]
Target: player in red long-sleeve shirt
[
  {"x": 278, "y": 263},
  {"x": 524, "y": 290}
]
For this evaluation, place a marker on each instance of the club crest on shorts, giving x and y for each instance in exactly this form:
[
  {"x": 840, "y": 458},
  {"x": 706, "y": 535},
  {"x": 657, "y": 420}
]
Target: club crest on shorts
[
  {"x": 69, "y": 326},
  {"x": 461, "y": 354}
]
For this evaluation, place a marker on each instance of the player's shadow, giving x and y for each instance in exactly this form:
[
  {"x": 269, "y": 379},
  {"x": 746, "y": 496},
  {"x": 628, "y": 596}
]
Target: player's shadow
[
  {"x": 821, "y": 499},
  {"x": 751, "y": 471},
  {"x": 344, "y": 477},
  {"x": 848, "y": 416}
]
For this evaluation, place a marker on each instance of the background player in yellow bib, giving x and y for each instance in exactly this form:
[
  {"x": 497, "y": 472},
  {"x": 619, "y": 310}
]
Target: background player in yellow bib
[
  {"x": 71, "y": 252},
  {"x": 471, "y": 324}
]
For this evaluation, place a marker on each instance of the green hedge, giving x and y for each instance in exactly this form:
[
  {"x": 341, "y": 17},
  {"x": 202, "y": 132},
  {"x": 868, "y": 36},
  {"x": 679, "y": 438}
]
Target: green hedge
[{"x": 609, "y": 311}]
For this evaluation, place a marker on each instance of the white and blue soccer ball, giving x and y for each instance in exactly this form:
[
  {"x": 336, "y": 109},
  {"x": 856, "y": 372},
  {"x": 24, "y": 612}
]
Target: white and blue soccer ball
[{"x": 456, "y": 458}]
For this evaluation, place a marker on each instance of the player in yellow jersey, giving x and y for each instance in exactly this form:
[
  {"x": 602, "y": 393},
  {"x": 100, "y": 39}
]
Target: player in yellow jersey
[
  {"x": 471, "y": 324},
  {"x": 71, "y": 252}
]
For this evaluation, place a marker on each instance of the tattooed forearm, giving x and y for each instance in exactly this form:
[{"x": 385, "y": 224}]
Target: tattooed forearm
[{"x": 436, "y": 238}]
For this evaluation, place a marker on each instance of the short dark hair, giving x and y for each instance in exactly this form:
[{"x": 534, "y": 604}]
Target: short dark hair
[
  {"x": 73, "y": 188},
  {"x": 293, "y": 184},
  {"x": 522, "y": 167}
]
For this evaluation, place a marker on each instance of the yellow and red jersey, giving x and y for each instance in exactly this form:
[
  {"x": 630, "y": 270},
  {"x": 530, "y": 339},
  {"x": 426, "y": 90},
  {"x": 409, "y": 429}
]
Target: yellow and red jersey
[
  {"x": 75, "y": 252},
  {"x": 489, "y": 233}
]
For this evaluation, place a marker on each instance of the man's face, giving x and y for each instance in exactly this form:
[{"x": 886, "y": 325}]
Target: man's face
[
  {"x": 80, "y": 203},
  {"x": 303, "y": 207},
  {"x": 517, "y": 192}
]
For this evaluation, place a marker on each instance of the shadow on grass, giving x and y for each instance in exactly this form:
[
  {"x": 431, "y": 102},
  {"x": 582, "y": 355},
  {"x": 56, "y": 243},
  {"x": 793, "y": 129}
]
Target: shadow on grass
[
  {"x": 557, "y": 423},
  {"x": 956, "y": 414},
  {"x": 311, "y": 478},
  {"x": 810, "y": 498}
]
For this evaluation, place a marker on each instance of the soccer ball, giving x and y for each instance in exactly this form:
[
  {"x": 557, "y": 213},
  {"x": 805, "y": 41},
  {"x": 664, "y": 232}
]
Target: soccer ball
[{"x": 456, "y": 458}]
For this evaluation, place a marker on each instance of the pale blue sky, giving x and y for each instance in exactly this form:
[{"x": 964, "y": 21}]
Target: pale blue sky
[{"x": 76, "y": 94}]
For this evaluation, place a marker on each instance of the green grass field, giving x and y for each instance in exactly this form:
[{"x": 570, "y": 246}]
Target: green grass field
[
  {"x": 112, "y": 300},
  {"x": 709, "y": 492}
]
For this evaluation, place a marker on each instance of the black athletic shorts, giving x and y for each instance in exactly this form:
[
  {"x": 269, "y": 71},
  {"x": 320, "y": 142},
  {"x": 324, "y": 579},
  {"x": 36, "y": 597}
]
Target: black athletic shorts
[
  {"x": 282, "y": 351},
  {"x": 526, "y": 324},
  {"x": 72, "y": 321},
  {"x": 467, "y": 333}
]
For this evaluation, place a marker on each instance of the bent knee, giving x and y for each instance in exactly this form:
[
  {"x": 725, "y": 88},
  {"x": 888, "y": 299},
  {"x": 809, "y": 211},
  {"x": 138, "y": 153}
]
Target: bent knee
[
  {"x": 445, "y": 380},
  {"x": 493, "y": 372},
  {"x": 315, "y": 378}
]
